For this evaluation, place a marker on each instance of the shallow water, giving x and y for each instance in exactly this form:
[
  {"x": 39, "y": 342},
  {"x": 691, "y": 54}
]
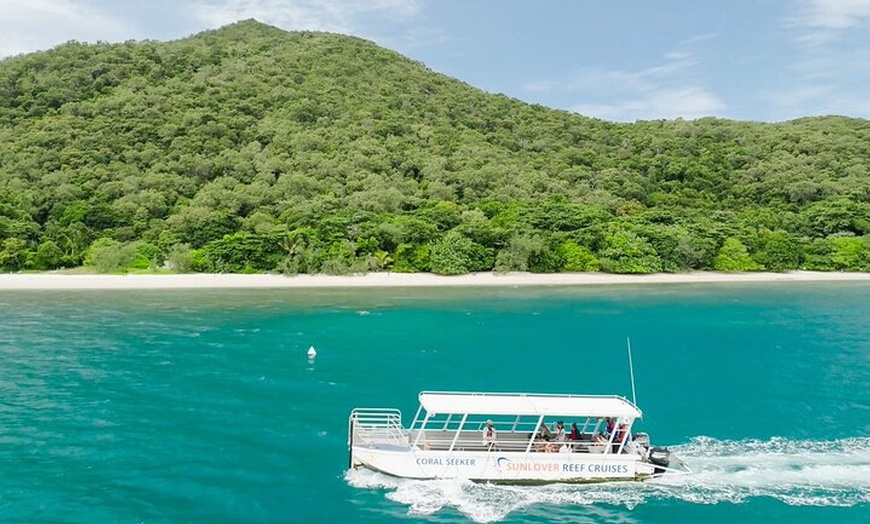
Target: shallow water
[{"x": 201, "y": 406}]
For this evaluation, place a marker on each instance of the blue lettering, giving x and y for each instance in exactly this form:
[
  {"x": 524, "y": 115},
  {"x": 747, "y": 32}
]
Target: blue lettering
[
  {"x": 438, "y": 461},
  {"x": 460, "y": 462},
  {"x": 608, "y": 468}
]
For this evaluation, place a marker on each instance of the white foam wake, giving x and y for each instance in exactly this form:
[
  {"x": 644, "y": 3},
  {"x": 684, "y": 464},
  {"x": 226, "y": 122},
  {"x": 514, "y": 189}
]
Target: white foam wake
[{"x": 801, "y": 473}]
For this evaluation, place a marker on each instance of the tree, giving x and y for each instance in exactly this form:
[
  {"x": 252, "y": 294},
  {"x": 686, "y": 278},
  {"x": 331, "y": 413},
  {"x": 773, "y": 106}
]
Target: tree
[
  {"x": 778, "y": 251},
  {"x": 817, "y": 255},
  {"x": 48, "y": 256},
  {"x": 627, "y": 252},
  {"x": 108, "y": 256},
  {"x": 411, "y": 258},
  {"x": 578, "y": 258},
  {"x": 516, "y": 256},
  {"x": 456, "y": 254},
  {"x": 13, "y": 254},
  {"x": 851, "y": 253},
  {"x": 243, "y": 253},
  {"x": 733, "y": 256},
  {"x": 180, "y": 258},
  {"x": 351, "y": 141}
]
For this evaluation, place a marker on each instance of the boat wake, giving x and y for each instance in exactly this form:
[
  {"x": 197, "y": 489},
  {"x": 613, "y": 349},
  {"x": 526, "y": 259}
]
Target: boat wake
[{"x": 799, "y": 473}]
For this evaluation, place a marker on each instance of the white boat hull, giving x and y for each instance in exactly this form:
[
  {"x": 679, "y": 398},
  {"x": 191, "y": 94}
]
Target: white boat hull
[
  {"x": 453, "y": 436},
  {"x": 505, "y": 467}
]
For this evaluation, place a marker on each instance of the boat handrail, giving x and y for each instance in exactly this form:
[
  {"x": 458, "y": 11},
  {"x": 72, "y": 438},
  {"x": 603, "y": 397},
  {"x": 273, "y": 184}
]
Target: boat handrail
[
  {"x": 471, "y": 440},
  {"x": 377, "y": 426}
]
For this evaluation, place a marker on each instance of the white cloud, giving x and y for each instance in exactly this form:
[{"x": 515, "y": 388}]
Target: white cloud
[
  {"x": 833, "y": 14},
  {"x": 692, "y": 40},
  {"x": 597, "y": 80},
  {"x": 824, "y": 86},
  {"x": 816, "y": 100},
  {"x": 661, "y": 91},
  {"x": 687, "y": 102},
  {"x": 338, "y": 16},
  {"x": 416, "y": 37},
  {"x": 40, "y": 24},
  {"x": 831, "y": 67},
  {"x": 837, "y": 66},
  {"x": 823, "y": 21}
]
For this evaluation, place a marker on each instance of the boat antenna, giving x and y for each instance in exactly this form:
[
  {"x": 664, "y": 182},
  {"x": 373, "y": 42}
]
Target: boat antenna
[{"x": 631, "y": 372}]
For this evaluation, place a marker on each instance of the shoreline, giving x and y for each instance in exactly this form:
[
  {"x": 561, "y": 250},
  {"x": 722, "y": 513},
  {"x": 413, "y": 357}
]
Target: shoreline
[{"x": 62, "y": 281}]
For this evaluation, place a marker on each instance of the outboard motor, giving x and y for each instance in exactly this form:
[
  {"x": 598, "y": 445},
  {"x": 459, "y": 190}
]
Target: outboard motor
[
  {"x": 641, "y": 439},
  {"x": 660, "y": 457},
  {"x": 641, "y": 444}
]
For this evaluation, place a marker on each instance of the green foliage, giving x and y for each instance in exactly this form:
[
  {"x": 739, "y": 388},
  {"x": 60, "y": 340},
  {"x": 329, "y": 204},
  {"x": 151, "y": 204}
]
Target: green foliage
[
  {"x": 627, "y": 252},
  {"x": 578, "y": 258},
  {"x": 48, "y": 256},
  {"x": 242, "y": 253},
  {"x": 259, "y": 149},
  {"x": 515, "y": 257},
  {"x": 180, "y": 258},
  {"x": 148, "y": 256},
  {"x": 817, "y": 255},
  {"x": 733, "y": 256},
  {"x": 456, "y": 254},
  {"x": 548, "y": 259},
  {"x": 198, "y": 261},
  {"x": 110, "y": 256},
  {"x": 778, "y": 251},
  {"x": 412, "y": 258},
  {"x": 13, "y": 254},
  {"x": 851, "y": 253}
]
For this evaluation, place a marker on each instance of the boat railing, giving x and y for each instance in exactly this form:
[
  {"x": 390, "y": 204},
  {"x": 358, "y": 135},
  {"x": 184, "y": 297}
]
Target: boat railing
[
  {"x": 469, "y": 440},
  {"x": 377, "y": 427}
]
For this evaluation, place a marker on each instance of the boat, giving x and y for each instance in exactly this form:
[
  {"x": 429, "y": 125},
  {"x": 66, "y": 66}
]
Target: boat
[{"x": 511, "y": 438}]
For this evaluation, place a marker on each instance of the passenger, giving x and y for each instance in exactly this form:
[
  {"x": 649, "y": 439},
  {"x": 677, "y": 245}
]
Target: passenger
[
  {"x": 545, "y": 433},
  {"x": 575, "y": 433},
  {"x": 559, "y": 430},
  {"x": 621, "y": 434},
  {"x": 609, "y": 424},
  {"x": 489, "y": 436}
]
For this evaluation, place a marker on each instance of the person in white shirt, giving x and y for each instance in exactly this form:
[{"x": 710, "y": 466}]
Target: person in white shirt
[
  {"x": 489, "y": 436},
  {"x": 559, "y": 432}
]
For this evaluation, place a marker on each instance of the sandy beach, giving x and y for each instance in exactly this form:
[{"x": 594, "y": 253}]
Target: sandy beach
[{"x": 61, "y": 281}]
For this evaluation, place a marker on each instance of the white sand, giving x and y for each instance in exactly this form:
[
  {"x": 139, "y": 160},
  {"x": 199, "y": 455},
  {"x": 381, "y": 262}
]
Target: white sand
[{"x": 78, "y": 281}]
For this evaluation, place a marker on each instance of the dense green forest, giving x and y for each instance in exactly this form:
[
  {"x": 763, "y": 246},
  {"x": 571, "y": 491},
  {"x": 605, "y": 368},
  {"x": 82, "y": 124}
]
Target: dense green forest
[{"x": 251, "y": 149}]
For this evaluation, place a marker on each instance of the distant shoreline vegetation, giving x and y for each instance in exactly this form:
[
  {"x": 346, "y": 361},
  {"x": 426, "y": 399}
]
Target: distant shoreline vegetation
[{"x": 249, "y": 149}]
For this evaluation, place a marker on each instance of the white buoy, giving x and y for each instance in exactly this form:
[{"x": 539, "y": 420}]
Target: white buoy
[{"x": 312, "y": 353}]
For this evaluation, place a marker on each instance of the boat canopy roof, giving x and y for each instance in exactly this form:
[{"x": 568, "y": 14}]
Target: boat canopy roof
[{"x": 443, "y": 402}]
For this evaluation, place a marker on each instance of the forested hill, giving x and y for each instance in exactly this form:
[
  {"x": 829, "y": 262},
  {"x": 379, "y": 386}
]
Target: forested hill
[{"x": 253, "y": 149}]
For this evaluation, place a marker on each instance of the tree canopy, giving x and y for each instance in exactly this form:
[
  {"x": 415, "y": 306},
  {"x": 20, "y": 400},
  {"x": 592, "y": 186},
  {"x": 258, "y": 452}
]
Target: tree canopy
[{"x": 251, "y": 149}]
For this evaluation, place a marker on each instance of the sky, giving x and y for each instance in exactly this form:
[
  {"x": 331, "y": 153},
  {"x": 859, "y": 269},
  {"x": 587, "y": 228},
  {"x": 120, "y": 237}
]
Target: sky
[{"x": 619, "y": 60}]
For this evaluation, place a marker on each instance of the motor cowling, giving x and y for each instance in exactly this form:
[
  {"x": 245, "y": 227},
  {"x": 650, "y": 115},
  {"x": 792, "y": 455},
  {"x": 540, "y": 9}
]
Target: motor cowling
[
  {"x": 660, "y": 457},
  {"x": 641, "y": 439}
]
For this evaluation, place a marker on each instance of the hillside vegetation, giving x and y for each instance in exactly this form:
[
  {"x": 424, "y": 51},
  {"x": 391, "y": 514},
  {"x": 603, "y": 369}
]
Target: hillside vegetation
[{"x": 251, "y": 149}]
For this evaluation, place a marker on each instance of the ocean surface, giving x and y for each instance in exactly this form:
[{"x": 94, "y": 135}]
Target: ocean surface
[{"x": 201, "y": 406}]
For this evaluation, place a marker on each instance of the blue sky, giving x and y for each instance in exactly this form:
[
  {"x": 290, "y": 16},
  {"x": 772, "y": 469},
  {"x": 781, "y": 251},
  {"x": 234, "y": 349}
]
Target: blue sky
[{"x": 627, "y": 60}]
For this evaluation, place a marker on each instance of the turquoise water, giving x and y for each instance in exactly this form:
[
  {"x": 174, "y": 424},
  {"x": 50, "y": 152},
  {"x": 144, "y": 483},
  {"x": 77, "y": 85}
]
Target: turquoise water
[{"x": 201, "y": 406}]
